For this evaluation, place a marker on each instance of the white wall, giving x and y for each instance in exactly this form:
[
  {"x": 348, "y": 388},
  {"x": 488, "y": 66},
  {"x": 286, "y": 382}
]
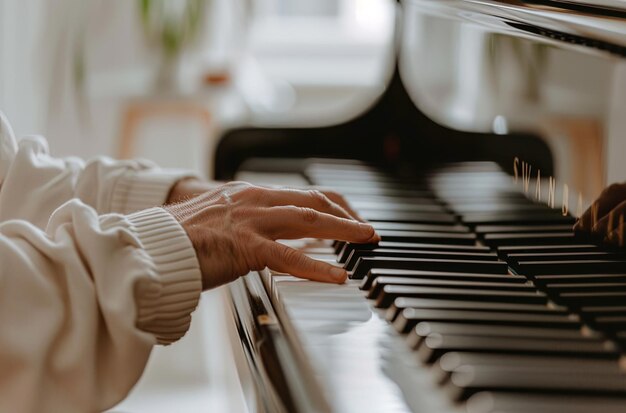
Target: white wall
[{"x": 20, "y": 86}]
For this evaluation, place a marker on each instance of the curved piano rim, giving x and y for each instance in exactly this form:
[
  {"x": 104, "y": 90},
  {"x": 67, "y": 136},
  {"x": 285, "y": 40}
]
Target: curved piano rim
[
  {"x": 575, "y": 28},
  {"x": 280, "y": 373}
]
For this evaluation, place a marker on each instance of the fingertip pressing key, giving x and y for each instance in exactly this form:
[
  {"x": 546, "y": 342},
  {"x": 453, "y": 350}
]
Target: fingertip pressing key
[
  {"x": 339, "y": 274},
  {"x": 367, "y": 229}
]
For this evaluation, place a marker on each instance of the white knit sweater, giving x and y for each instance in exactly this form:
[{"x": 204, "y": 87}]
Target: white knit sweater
[{"x": 92, "y": 274}]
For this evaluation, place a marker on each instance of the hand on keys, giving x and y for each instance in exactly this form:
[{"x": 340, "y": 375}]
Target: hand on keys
[
  {"x": 602, "y": 219},
  {"x": 234, "y": 226}
]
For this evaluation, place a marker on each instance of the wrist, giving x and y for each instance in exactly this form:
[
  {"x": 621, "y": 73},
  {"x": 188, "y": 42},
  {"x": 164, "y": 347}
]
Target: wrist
[
  {"x": 189, "y": 187},
  {"x": 166, "y": 302}
]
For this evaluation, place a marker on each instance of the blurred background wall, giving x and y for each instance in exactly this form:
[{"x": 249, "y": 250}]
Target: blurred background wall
[
  {"x": 83, "y": 73},
  {"x": 113, "y": 77}
]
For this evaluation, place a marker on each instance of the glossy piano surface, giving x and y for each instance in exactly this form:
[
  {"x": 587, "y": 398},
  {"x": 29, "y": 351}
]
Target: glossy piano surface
[
  {"x": 477, "y": 299},
  {"x": 359, "y": 360},
  {"x": 449, "y": 334}
]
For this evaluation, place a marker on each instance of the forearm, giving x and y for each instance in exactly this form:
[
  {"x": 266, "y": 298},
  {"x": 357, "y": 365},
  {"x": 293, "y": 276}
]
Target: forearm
[
  {"x": 36, "y": 184},
  {"x": 84, "y": 303}
]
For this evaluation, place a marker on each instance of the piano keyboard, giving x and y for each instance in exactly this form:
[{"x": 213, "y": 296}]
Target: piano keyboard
[{"x": 476, "y": 299}]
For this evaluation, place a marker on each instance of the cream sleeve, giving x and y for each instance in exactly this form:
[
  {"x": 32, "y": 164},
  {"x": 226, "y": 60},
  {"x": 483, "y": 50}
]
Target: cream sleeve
[
  {"x": 83, "y": 302},
  {"x": 37, "y": 183}
]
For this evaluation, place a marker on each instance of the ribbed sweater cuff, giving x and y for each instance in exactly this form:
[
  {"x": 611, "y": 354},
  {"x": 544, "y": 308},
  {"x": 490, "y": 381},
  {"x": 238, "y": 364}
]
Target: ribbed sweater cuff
[
  {"x": 164, "y": 307},
  {"x": 143, "y": 189}
]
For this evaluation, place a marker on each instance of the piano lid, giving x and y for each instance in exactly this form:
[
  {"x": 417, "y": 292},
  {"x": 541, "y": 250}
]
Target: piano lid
[
  {"x": 501, "y": 66},
  {"x": 606, "y": 7}
]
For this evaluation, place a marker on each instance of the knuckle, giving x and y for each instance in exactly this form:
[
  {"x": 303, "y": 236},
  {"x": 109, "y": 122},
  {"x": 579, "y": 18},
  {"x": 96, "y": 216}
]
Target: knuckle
[
  {"x": 336, "y": 197},
  {"x": 252, "y": 191},
  {"x": 320, "y": 198},
  {"x": 236, "y": 185},
  {"x": 308, "y": 214},
  {"x": 333, "y": 194},
  {"x": 251, "y": 194}
]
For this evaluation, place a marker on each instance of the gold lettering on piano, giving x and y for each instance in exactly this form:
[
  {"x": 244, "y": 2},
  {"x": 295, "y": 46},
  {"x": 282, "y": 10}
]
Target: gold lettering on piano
[
  {"x": 526, "y": 175},
  {"x": 565, "y": 206},
  {"x": 579, "y": 207},
  {"x": 538, "y": 186},
  {"x": 551, "y": 191},
  {"x": 265, "y": 320},
  {"x": 526, "y": 169}
]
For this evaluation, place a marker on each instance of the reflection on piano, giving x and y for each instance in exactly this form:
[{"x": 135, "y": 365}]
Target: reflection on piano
[{"x": 477, "y": 298}]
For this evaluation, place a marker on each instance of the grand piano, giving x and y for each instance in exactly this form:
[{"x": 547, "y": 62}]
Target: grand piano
[{"x": 501, "y": 119}]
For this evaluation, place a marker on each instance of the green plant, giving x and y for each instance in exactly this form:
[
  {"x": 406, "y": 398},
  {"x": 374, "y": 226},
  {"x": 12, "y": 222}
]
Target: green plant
[{"x": 172, "y": 24}]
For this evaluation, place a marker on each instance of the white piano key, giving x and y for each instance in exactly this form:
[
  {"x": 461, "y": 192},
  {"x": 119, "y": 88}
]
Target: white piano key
[{"x": 357, "y": 357}]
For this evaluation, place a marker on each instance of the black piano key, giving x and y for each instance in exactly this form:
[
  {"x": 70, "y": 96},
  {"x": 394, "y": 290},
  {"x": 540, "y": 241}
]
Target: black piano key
[
  {"x": 577, "y": 300},
  {"x": 496, "y": 229},
  {"x": 428, "y": 237},
  {"x": 402, "y": 303},
  {"x": 446, "y": 255},
  {"x": 399, "y": 204},
  {"x": 435, "y": 345},
  {"x": 530, "y": 249},
  {"x": 380, "y": 282},
  {"x": 373, "y": 208},
  {"x": 409, "y": 317},
  {"x": 513, "y": 219},
  {"x": 612, "y": 323},
  {"x": 373, "y": 191},
  {"x": 436, "y": 275},
  {"x": 425, "y": 328},
  {"x": 539, "y": 249},
  {"x": 465, "y": 193},
  {"x": 586, "y": 287},
  {"x": 570, "y": 267},
  {"x": 537, "y": 238},
  {"x": 339, "y": 246},
  {"x": 347, "y": 248},
  {"x": 365, "y": 264},
  {"x": 592, "y": 311},
  {"x": 392, "y": 200},
  {"x": 469, "y": 380},
  {"x": 509, "y": 402},
  {"x": 433, "y": 247},
  {"x": 497, "y": 207},
  {"x": 371, "y": 187},
  {"x": 569, "y": 256},
  {"x": 414, "y": 217},
  {"x": 550, "y": 280},
  {"x": 460, "y": 197},
  {"x": 361, "y": 178},
  {"x": 391, "y": 292},
  {"x": 403, "y": 226},
  {"x": 453, "y": 360}
]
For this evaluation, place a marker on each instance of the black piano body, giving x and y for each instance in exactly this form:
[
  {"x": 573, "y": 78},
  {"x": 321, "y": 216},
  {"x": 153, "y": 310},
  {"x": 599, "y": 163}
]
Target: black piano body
[{"x": 477, "y": 86}]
